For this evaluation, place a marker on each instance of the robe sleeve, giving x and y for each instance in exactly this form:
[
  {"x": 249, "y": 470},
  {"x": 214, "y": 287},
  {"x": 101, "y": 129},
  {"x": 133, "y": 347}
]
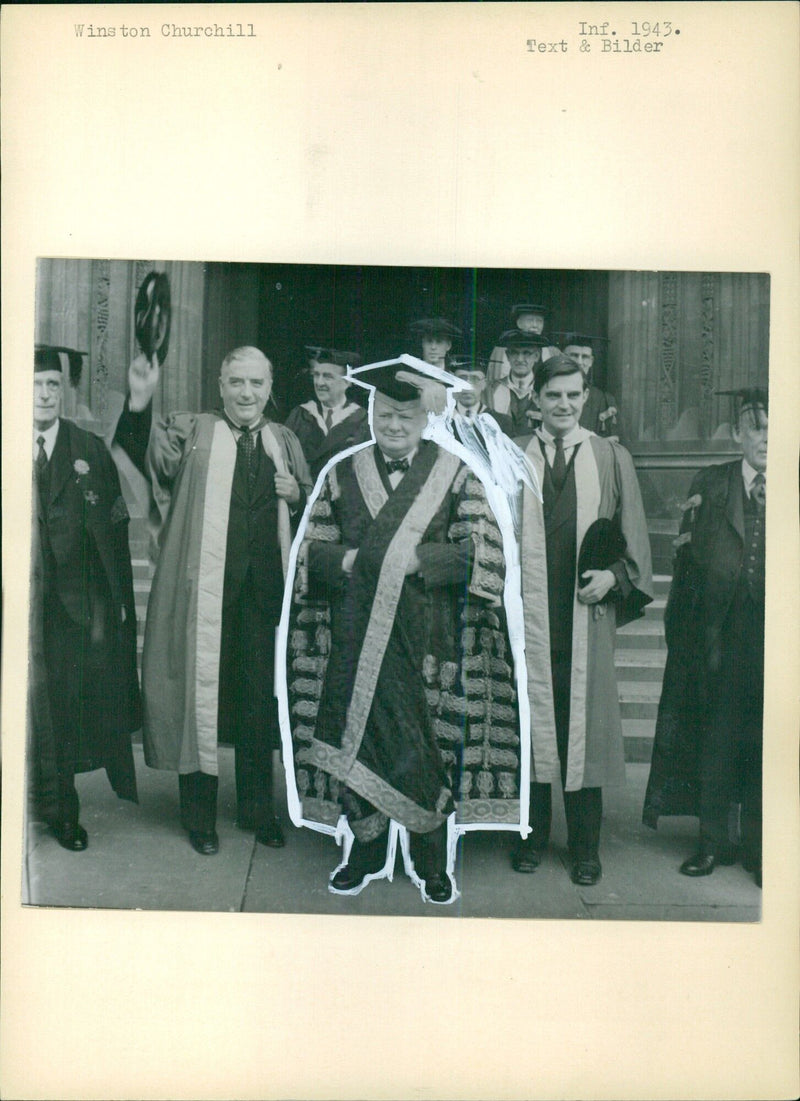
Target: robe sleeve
[
  {"x": 167, "y": 446},
  {"x": 637, "y": 561},
  {"x": 132, "y": 433},
  {"x": 319, "y": 564},
  {"x": 296, "y": 462}
]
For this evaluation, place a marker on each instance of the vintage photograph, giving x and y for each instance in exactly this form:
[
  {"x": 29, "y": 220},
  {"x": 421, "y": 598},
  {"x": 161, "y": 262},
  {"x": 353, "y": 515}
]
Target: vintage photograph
[{"x": 397, "y": 590}]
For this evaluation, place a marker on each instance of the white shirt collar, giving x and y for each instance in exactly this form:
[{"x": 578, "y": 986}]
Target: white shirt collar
[
  {"x": 749, "y": 475},
  {"x": 572, "y": 437},
  {"x": 49, "y": 435},
  {"x": 521, "y": 389}
]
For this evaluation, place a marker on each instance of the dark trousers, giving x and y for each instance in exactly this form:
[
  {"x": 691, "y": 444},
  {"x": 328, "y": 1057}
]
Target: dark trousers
[
  {"x": 583, "y": 808},
  {"x": 65, "y": 645},
  {"x": 731, "y": 749},
  {"x": 247, "y": 717}
]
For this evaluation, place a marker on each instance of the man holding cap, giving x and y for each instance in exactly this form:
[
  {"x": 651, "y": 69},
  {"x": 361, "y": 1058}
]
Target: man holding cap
[
  {"x": 399, "y": 590},
  {"x": 84, "y": 688},
  {"x": 571, "y": 618},
  {"x": 329, "y": 423}
]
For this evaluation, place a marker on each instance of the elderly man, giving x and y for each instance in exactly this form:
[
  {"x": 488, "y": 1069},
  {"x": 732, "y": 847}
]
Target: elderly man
[
  {"x": 574, "y": 598},
  {"x": 401, "y": 685},
  {"x": 600, "y": 413},
  {"x": 329, "y": 423},
  {"x": 235, "y": 480},
  {"x": 528, "y": 317},
  {"x": 708, "y": 745},
  {"x": 84, "y": 688},
  {"x": 514, "y": 396}
]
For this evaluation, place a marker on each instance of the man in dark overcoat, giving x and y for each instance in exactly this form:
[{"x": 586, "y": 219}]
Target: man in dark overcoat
[
  {"x": 84, "y": 688},
  {"x": 707, "y": 751}
]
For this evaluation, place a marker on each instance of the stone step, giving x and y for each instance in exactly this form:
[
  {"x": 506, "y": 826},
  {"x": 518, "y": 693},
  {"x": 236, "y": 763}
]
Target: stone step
[
  {"x": 642, "y": 665},
  {"x": 642, "y": 634},
  {"x": 637, "y": 737}
]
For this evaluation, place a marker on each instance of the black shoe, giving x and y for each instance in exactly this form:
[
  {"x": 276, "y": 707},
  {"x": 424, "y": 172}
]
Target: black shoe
[
  {"x": 204, "y": 843},
  {"x": 586, "y": 872},
  {"x": 348, "y": 878},
  {"x": 271, "y": 835},
  {"x": 752, "y": 864},
  {"x": 706, "y": 859},
  {"x": 439, "y": 888},
  {"x": 526, "y": 858},
  {"x": 71, "y": 835}
]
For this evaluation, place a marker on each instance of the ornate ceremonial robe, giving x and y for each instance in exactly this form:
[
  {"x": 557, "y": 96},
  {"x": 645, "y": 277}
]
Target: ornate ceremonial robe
[
  {"x": 606, "y": 486},
  {"x": 194, "y": 455},
  {"x": 401, "y": 686}
]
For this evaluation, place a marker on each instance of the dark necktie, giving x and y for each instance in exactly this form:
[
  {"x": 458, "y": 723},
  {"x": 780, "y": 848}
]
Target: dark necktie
[
  {"x": 393, "y": 465},
  {"x": 559, "y": 469},
  {"x": 41, "y": 468},
  {"x": 246, "y": 445},
  {"x": 758, "y": 491},
  {"x": 328, "y": 419}
]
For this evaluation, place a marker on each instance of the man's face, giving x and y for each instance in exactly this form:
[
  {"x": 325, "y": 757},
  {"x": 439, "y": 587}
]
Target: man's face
[
  {"x": 522, "y": 361},
  {"x": 751, "y": 435},
  {"x": 561, "y": 401},
  {"x": 330, "y": 383},
  {"x": 477, "y": 382},
  {"x": 398, "y": 425},
  {"x": 245, "y": 388},
  {"x": 582, "y": 355},
  {"x": 530, "y": 323},
  {"x": 435, "y": 348},
  {"x": 48, "y": 393}
]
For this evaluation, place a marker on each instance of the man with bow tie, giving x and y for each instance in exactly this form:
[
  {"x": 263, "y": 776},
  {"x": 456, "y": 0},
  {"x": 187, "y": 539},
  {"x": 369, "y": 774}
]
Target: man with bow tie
[
  {"x": 83, "y": 687},
  {"x": 235, "y": 482},
  {"x": 708, "y": 744},
  {"x": 400, "y": 668}
]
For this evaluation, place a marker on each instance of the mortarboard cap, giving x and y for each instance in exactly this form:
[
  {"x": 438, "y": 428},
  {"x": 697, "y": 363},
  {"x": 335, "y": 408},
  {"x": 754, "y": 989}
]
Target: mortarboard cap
[
  {"x": 323, "y": 353},
  {"x": 521, "y": 308},
  {"x": 747, "y": 397},
  {"x": 435, "y": 326},
  {"x": 153, "y": 316},
  {"x": 516, "y": 338},
  {"x": 382, "y": 377},
  {"x": 469, "y": 363},
  {"x": 52, "y": 357}
]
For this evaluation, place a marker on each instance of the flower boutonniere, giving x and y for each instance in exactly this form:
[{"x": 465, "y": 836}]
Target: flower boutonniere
[{"x": 82, "y": 468}]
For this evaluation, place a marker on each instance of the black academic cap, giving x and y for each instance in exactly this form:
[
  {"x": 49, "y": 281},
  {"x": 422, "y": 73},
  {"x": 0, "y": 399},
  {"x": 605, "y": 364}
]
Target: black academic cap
[
  {"x": 48, "y": 357},
  {"x": 747, "y": 397},
  {"x": 580, "y": 340},
  {"x": 521, "y": 308},
  {"x": 153, "y": 315},
  {"x": 382, "y": 377},
  {"x": 516, "y": 338},
  {"x": 435, "y": 326},
  {"x": 323, "y": 353},
  {"x": 469, "y": 363}
]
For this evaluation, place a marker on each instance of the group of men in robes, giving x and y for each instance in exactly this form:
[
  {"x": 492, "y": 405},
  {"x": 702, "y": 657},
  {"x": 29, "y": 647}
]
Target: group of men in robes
[{"x": 445, "y": 651}]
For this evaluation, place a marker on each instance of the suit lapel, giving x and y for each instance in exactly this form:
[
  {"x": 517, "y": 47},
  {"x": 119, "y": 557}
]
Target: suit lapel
[
  {"x": 60, "y": 461},
  {"x": 734, "y": 505}
]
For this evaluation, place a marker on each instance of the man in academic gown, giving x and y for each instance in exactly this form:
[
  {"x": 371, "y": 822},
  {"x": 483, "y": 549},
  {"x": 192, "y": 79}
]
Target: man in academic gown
[
  {"x": 527, "y": 317},
  {"x": 514, "y": 396},
  {"x": 329, "y": 423},
  {"x": 84, "y": 688},
  {"x": 708, "y": 744},
  {"x": 401, "y": 688},
  {"x": 576, "y": 729},
  {"x": 435, "y": 337},
  {"x": 470, "y": 403},
  {"x": 235, "y": 481},
  {"x": 600, "y": 413}
]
